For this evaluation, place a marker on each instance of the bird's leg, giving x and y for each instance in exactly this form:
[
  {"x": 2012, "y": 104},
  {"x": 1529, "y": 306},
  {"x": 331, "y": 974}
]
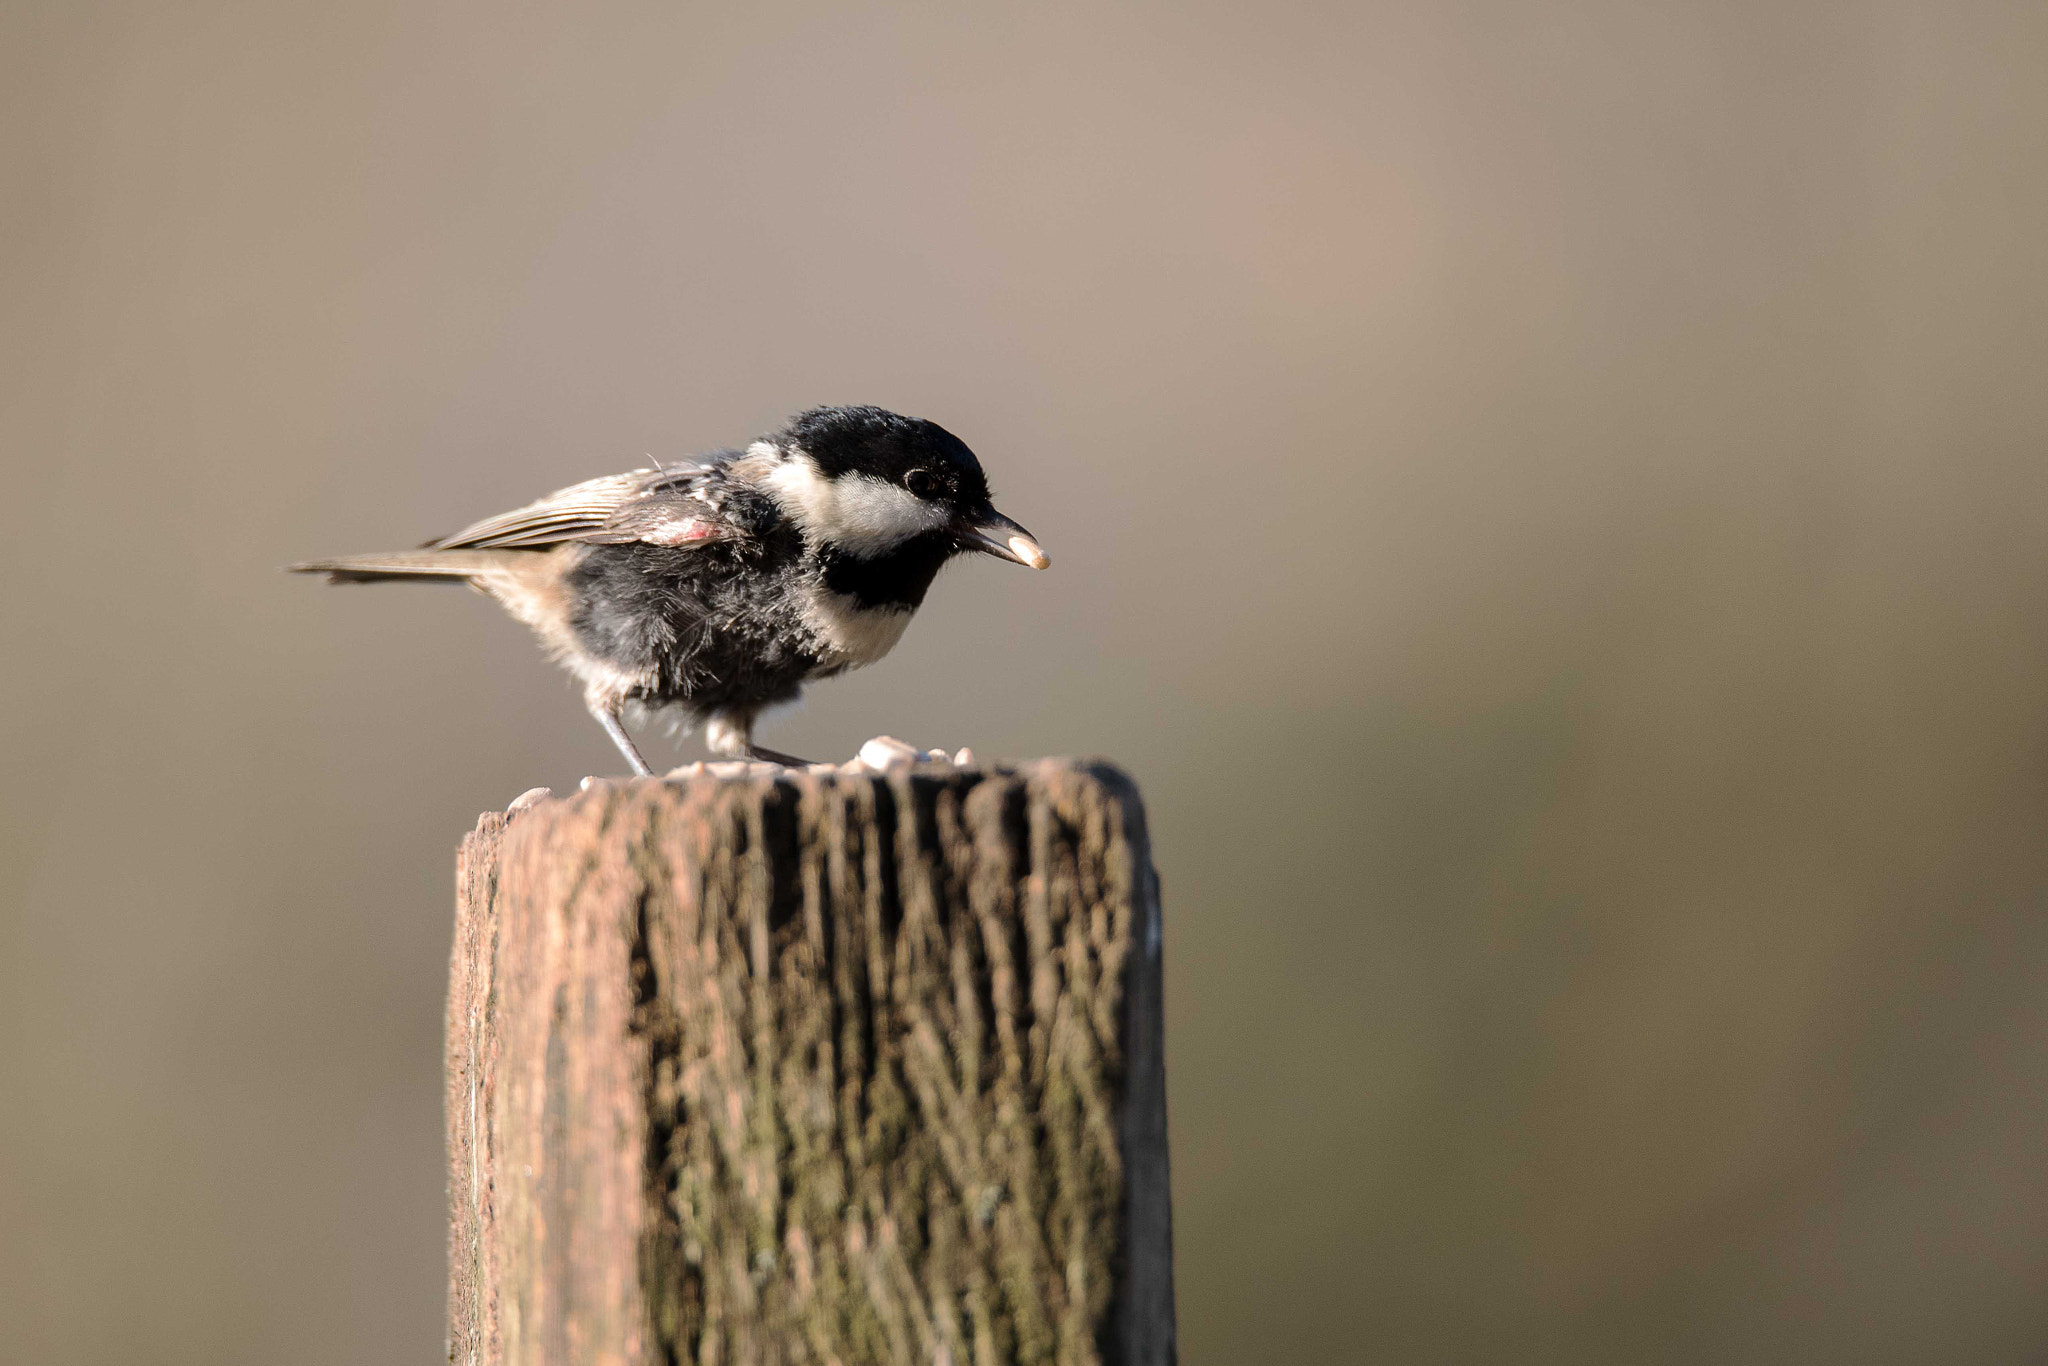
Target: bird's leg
[
  {"x": 730, "y": 735},
  {"x": 606, "y": 711}
]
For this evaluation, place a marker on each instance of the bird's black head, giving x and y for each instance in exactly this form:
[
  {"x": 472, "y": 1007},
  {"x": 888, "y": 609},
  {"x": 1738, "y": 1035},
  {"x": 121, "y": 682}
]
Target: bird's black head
[
  {"x": 865, "y": 482},
  {"x": 907, "y": 452}
]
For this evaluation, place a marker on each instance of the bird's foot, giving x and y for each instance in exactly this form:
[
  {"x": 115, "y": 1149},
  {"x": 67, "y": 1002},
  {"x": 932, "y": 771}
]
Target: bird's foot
[
  {"x": 758, "y": 763},
  {"x": 762, "y": 755}
]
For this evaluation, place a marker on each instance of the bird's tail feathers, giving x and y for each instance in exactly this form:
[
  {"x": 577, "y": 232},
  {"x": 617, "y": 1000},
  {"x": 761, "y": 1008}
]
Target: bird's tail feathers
[{"x": 457, "y": 566}]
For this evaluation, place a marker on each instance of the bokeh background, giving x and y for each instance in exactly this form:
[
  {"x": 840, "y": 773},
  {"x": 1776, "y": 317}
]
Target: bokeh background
[{"x": 1551, "y": 501}]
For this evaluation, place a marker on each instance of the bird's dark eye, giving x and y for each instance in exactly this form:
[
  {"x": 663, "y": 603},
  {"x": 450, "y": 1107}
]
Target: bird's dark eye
[{"x": 923, "y": 483}]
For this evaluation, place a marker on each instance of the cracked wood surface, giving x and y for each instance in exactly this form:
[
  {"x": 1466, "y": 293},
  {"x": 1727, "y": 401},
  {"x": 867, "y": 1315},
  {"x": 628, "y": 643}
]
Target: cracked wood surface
[{"x": 811, "y": 1068}]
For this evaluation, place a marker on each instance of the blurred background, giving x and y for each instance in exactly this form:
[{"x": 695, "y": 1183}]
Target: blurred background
[{"x": 1549, "y": 500}]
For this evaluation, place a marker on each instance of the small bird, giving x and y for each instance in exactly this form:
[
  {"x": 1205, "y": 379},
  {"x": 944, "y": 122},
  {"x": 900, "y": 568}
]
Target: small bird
[{"x": 721, "y": 586}]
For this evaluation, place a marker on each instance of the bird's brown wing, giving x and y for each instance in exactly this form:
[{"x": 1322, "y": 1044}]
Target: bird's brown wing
[{"x": 661, "y": 506}]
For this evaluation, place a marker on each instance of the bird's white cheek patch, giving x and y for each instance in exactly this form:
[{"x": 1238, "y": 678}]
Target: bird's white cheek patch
[{"x": 859, "y": 514}]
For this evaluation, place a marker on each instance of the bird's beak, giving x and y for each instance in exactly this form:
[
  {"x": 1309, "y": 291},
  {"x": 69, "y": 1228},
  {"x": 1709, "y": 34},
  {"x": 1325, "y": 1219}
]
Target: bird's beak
[{"x": 994, "y": 534}]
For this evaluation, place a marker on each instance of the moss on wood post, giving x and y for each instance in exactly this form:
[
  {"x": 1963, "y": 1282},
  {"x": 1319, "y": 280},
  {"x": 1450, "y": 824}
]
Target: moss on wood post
[{"x": 813, "y": 1068}]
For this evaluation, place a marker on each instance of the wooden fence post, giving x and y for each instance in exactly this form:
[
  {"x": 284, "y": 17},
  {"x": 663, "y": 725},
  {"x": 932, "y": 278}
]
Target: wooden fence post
[{"x": 811, "y": 1068}]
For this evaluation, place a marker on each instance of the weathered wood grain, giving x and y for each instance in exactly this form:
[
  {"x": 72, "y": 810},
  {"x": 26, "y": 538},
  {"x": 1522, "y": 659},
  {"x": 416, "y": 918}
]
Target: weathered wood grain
[{"x": 812, "y": 1068}]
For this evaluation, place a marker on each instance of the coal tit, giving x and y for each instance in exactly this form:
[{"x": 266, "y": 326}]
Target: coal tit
[{"x": 721, "y": 586}]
